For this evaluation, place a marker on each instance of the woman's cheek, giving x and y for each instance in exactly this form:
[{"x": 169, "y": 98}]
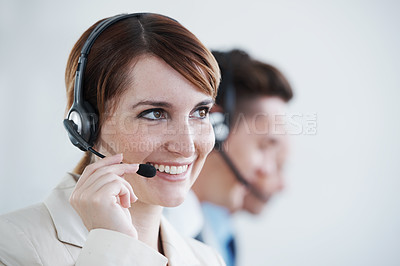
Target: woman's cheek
[{"x": 206, "y": 138}]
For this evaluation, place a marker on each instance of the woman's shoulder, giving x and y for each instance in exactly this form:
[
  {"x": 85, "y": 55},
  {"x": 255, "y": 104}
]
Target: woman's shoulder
[
  {"x": 29, "y": 221},
  {"x": 29, "y": 236},
  {"x": 26, "y": 216},
  {"x": 20, "y": 232}
]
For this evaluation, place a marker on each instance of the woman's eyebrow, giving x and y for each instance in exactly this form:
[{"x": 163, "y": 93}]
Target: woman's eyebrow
[
  {"x": 205, "y": 102},
  {"x": 153, "y": 103},
  {"x": 168, "y": 105}
]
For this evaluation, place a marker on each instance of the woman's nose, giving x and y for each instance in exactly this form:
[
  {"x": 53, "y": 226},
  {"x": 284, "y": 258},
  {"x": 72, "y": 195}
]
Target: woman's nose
[{"x": 181, "y": 140}]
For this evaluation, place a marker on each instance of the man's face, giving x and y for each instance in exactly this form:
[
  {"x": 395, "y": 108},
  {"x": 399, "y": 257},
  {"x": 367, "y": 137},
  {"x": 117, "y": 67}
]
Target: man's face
[
  {"x": 267, "y": 185},
  {"x": 257, "y": 145}
]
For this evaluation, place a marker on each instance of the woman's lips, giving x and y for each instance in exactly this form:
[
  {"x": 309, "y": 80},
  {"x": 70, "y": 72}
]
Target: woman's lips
[{"x": 172, "y": 171}]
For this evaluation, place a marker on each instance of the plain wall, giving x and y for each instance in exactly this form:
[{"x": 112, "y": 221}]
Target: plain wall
[{"x": 341, "y": 204}]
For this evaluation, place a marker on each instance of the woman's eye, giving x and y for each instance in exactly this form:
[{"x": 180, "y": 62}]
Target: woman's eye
[
  {"x": 154, "y": 114},
  {"x": 201, "y": 112}
]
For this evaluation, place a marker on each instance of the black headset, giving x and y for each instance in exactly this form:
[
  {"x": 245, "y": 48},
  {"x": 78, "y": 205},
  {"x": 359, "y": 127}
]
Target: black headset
[
  {"x": 82, "y": 120},
  {"x": 222, "y": 123}
]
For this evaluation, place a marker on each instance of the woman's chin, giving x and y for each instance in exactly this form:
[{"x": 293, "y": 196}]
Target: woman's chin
[
  {"x": 172, "y": 194},
  {"x": 173, "y": 201}
]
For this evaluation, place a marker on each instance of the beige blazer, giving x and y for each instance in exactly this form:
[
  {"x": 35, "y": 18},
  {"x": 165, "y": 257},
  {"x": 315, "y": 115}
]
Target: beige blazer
[{"x": 52, "y": 233}]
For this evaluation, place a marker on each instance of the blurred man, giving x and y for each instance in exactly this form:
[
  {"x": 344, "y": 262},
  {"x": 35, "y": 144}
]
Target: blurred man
[{"x": 244, "y": 169}]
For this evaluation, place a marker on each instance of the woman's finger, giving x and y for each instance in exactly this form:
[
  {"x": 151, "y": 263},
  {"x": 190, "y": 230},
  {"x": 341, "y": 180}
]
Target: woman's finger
[
  {"x": 90, "y": 169},
  {"x": 115, "y": 191},
  {"x": 105, "y": 179},
  {"x": 116, "y": 169}
]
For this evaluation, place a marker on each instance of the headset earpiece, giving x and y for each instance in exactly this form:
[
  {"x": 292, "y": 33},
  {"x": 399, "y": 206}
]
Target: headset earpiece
[{"x": 84, "y": 122}]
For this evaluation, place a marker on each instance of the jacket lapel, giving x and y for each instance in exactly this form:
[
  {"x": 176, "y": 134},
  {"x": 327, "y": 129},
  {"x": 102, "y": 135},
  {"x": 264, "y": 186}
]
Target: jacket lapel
[
  {"x": 176, "y": 249},
  {"x": 69, "y": 226}
]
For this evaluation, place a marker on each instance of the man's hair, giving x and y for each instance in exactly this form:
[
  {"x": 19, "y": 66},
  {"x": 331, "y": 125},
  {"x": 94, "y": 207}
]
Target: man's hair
[{"x": 249, "y": 78}]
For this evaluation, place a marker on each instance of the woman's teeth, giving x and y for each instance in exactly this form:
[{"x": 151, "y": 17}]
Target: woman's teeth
[{"x": 172, "y": 170}]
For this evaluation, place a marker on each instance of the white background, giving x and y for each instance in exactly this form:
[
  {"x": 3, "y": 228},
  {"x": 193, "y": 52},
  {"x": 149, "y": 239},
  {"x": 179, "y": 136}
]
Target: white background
[{"x": 341, "y": 205}]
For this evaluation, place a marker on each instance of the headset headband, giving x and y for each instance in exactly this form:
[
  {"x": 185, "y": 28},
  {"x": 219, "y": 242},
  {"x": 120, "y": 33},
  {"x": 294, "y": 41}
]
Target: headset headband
[{"x": 78, "y": 92}]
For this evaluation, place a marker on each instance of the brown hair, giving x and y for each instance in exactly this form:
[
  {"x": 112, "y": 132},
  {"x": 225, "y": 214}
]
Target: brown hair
[
  {"x": 112, "y": 54},
  {"x": 250, "y": 79}
]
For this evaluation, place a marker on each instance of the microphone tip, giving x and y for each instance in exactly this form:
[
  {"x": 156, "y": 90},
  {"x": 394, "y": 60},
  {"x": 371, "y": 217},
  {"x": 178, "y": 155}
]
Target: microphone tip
[{"x": 146, "y": 170}]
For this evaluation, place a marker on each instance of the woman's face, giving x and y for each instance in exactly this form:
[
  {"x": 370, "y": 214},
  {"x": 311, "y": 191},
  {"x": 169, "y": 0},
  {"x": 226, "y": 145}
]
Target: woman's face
[{"x": 160, "y": 119}]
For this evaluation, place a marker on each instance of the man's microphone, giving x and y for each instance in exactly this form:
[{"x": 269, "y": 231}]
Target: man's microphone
[{"x": 258, "y": 194}]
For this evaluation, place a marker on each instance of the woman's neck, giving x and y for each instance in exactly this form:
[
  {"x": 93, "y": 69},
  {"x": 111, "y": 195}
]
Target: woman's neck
[{"x": 146, "y": 219}]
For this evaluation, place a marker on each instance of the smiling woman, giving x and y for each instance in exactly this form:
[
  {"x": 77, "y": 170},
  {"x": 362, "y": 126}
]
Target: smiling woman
[
  {"x": 172, "y": 133},
  {"x": 151, "y": 83}
]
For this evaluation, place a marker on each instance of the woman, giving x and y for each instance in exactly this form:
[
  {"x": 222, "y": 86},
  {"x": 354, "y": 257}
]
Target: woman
[{"x": 151, "y": 84}]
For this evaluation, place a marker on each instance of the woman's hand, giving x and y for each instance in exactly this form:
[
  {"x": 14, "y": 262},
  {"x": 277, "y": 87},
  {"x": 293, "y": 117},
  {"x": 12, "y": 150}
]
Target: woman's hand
[{"x": 102, "y": 196}]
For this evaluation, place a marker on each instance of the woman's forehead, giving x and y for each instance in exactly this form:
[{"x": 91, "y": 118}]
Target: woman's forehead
[{"x": 152, "y": 78}]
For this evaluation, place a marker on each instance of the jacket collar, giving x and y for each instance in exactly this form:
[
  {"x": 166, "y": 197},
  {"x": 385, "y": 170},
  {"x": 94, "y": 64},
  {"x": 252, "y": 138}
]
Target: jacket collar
[{"x": 69, "y": 226}]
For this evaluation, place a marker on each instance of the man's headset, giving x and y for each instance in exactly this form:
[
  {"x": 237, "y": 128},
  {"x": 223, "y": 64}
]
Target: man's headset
[
  {"x": 82, "y": 120},
  {"x": 222, "y": 123}
]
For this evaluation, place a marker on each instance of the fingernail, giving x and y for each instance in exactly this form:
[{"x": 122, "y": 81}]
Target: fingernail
[{"x": 134, "y": 166}]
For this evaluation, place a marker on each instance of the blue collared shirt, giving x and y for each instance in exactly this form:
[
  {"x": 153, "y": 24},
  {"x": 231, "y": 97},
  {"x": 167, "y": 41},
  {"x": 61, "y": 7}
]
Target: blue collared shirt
[{"x": 218, "y": 231}]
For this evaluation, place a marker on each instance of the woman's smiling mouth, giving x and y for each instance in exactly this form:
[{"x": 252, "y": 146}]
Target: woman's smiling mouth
[
  {"x": 170, "y": 168},
  {"x": 172, "y": 171}
]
